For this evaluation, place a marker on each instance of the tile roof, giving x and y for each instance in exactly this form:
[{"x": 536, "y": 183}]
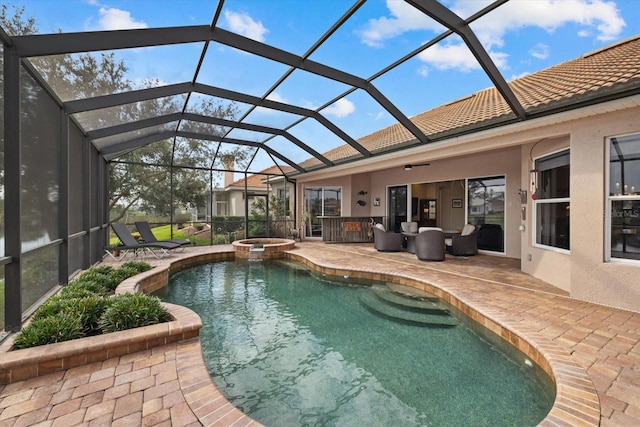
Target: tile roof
[
  {"x": 257, "y": 180},
  {"x": 595, "y": 75}
]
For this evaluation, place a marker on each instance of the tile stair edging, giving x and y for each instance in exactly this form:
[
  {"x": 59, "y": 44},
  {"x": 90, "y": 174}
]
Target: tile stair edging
[{"x": 574, "y": 388}]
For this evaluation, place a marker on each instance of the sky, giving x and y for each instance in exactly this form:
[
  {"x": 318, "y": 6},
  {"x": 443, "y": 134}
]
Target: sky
[{"x": 522, "y": 36}]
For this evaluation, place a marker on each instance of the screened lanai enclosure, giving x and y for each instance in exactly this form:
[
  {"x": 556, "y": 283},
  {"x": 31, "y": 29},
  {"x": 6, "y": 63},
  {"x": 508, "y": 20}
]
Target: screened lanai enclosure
[
  {"x": 208, "y": 143},
  {"x": 84, "y": 145}
]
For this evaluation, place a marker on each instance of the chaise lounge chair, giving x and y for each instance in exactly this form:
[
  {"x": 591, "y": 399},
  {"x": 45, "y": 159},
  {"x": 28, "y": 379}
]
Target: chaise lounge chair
[
  {"x": 130, "y": 244},
  {"x": 147, "y": 235}
]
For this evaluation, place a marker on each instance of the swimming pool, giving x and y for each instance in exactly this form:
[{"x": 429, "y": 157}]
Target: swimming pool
[{"x": 290, "y": 348}]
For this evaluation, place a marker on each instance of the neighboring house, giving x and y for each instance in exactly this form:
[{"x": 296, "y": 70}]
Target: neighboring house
[
  {"x": 567, "y": 178},
  {"x": 231, "y": 200},
  {"x": 479, "y": 207}
]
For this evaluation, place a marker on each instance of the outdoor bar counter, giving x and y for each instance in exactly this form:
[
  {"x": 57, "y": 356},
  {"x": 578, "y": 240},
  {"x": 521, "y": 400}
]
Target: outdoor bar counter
[{"x": 348, "y": 229}]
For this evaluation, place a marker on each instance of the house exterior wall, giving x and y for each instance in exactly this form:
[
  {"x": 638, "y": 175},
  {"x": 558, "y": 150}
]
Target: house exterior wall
[
  {"x": 236, "y": 203},
  {"x": 348, "y": 194},
  {"x": 500, "y": 162},
  {"x": 583, "y": 271},
  {"x": 550, "y": 265},
  {"x": 593, "y": 279}
]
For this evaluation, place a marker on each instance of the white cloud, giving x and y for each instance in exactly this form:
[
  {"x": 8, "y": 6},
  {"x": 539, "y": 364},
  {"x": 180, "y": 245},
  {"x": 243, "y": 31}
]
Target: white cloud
[
  {"x": 517, "y": 76},
  {"x": 596, "y": 18},
  {"x": 600, "y": 16},
  {"x": 244, "y": 25},
  {"x": 275, "y": 96},
  {"x": 403, "y": 18},
  {"x": 341, "y": 108},
  {"x": 448, "y": 56},
  {"x": 540, "y": 51},
  {"x": 117, "y": 19}
]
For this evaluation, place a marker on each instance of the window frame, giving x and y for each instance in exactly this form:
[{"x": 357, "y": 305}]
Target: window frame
[
  {"x": 556, "y": 200},
  {"x": 609, "y": 199},
  {"x": 317, "y": 225}
]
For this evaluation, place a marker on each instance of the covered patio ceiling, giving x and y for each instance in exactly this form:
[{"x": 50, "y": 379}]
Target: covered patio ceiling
[{"x": 290, "y": 133}]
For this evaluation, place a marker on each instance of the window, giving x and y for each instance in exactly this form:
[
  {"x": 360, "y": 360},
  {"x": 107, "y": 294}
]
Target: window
[
  {"x": 552, "y": 202},
  {"x": 319, "y": 202},
  {"x": 283, "y": 199},
  {"x": 624, "y": 199}
]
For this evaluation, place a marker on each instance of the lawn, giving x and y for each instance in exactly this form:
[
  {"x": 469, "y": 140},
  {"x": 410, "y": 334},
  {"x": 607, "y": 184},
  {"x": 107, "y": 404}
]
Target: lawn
[{"x": 163, "y": 232}]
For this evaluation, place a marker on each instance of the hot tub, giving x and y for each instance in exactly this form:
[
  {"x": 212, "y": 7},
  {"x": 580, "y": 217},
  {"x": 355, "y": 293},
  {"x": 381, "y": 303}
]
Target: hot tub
[{"x": 262, "y": 248}]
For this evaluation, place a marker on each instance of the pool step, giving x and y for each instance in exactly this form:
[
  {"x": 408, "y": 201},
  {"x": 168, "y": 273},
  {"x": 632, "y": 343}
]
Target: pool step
[
  {"x": 408, "y": 302},
  {"x": 410, "y": 314},
  {"x": 411, "y": 292}
]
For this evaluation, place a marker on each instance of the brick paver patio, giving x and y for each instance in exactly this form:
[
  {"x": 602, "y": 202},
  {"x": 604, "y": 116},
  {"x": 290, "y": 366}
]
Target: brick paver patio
[{"x": 169, "y": 385}]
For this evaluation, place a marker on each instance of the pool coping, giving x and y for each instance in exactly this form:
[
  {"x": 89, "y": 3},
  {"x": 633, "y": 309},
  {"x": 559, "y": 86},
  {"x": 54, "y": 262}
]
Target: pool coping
[{"x": 576, "y": 402}]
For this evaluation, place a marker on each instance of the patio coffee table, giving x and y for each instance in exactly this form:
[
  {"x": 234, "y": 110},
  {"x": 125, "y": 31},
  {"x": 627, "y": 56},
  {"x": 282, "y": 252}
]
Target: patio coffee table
[{"x": 409, "y": 242}]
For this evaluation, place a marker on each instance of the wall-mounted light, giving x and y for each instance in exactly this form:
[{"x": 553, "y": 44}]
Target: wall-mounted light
[
  {"x": 361, "y": 193},
  {"x": 361, "y": 203},
  {"x": 409, "y": 167}
]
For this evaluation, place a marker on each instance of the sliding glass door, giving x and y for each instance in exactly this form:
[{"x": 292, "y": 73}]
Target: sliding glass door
[
  {"x": 319, "y": 202},
  {"x": 396, "y": 207},
  {"x": 485, "y": 210}
]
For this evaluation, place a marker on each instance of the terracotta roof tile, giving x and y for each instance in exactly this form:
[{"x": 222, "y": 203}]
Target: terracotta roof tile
[
  {"x": 256, "y": 180},
  {"x": 597, "y": 73}
]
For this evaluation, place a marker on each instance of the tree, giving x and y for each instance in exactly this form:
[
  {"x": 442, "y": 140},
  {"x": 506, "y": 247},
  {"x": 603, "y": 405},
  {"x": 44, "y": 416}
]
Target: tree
[
  {"x": 277, "y": 216},
  {"x": 141, "y": 177}
]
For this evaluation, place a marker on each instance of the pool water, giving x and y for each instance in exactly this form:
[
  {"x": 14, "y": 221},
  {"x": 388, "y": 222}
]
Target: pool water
[{"x": 290, "y": 348}]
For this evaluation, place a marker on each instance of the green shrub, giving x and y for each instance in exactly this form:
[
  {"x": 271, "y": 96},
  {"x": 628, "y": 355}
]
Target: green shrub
[
  {"x": 122, "y": 274},
  {"x": 72, "y": 291},
  {"x": 138, "y": 266},
  {"x": 108, "y": 280},
  {"x": 94, "y": 286},
  {"x": 87, "y": 308},
  {"x": 49, "y": 330},
  {"x": 129, "y": 311},
  {"x": 102, "y": 269},
  {"x": 90, "y": 310},
  {"x": 110, "y": 277},
  {"x": 52, "y": 307},
  {"x": 83, "y": 307}
]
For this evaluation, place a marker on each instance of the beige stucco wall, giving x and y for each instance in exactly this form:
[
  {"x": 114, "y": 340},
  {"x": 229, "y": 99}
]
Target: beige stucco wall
[
  {"x": 584, "y": 271},
  {"x": 236, "y": 203},
  {"x": 500, "y": 162},
  {"x": 593, "y": 279},
  {"x": 553, "y": 266}
]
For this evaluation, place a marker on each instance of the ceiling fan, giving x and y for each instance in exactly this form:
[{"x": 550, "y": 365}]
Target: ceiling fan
[{"x": 409, "y": 167}]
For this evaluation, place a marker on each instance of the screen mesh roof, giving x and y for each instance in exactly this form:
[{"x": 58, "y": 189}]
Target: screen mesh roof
[{"x": 293, "y": 100}]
